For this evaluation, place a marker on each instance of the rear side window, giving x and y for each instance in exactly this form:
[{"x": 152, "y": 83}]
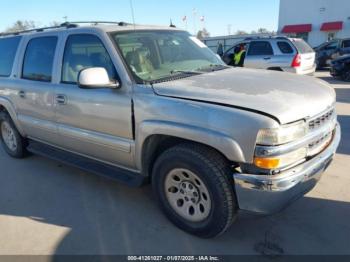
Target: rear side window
[
  {"x": 285, "y": 48},
  {"x": 302, "y": 46},
  {"x": 84, "y": 51},
  {"x": 38, "y": 59},
  {"x": 346, "y": 44},
  {"x": 260, "y": 48},
  {"x": 8, "y": 49}
]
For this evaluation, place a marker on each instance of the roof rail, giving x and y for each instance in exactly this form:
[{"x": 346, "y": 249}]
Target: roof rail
[
  {"x": 98, "y": 22},
  {"x": 66, "y": 25},
  {"x": 265, "y": 37}
]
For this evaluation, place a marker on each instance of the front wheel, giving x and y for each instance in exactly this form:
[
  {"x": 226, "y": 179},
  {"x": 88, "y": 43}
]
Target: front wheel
[{"x": 193, "y": 187}]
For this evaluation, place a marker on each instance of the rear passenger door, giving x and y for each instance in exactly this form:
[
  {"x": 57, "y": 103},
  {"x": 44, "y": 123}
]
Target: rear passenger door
[
  {"x": 259, "y": 55},
  {"x": 284, "y": 54},
  {"x": 93, "y": 122},
  {"x": 34, "y": 89}
]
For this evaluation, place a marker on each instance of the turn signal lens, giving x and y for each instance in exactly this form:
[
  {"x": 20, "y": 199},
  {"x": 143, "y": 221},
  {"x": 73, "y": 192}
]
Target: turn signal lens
[
  {"x": 267, "y": 163},
  {"x": 282, "y": 160}
]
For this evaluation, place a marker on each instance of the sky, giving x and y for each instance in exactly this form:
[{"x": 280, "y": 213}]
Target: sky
[{"x": 244, "y": 15}]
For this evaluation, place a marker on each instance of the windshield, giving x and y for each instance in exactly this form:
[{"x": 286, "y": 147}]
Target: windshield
[{"x": 162, "y": 55}]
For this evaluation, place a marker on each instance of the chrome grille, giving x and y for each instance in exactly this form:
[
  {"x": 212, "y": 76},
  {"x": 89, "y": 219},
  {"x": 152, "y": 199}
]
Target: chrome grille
[
  {"x": 319, "y": 144},
  {"x": 322, "y": 120}
]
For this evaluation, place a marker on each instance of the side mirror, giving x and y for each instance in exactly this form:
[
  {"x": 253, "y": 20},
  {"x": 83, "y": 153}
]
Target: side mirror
[{"x": 95, "y": 77}]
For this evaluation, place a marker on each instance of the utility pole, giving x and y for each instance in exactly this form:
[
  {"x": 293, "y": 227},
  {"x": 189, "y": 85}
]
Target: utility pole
[
  {"x": 65, "y": 18},
  {"x": 229, "y": 27}
]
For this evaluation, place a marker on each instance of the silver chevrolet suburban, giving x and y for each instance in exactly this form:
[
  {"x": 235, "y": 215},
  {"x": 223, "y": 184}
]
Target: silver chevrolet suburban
[{"x": 150, "y": 104}]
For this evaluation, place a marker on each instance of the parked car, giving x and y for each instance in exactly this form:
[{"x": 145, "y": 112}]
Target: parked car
[
  {"x": 276, "y": 53},
  {"x": 329, "y": 51},
  {"x": 340, "y": 68},
  {"x": 143, "y": 104}
]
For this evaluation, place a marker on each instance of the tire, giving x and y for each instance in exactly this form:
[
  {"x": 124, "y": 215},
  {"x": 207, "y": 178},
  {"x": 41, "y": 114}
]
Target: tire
[
  {"x": 214, "y": 209},
  {"x": 18, "y": 148}
]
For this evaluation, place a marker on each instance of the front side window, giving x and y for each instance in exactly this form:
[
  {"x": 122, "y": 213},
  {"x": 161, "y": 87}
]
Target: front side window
[
  {"x": 38, "y": 59},
  {"x": 159, "y": 54},
  {"x": 85, "y": 51},
  {"x": 260, "y": 48},
  {"x": 332, "y": 46},
  {"x": 8, "y": 49}
]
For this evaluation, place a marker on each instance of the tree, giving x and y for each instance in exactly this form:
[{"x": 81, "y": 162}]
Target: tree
[
  {"x": 263, "y": 31},
  {"x": 241, "y": 32},
  {"x": 203, "y": 34},
  {"x": 20, "y": 25}
]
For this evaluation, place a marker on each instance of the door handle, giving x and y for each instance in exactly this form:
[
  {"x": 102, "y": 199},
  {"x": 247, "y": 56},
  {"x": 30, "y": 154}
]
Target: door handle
[
  {"x": 61, "y": 99},
  {"x": 267, "y": 58},
  {"x": 22, "y": 94}
]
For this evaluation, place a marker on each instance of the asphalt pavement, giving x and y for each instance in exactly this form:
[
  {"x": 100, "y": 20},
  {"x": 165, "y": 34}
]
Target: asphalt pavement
[{"x": 48, "y": 208}]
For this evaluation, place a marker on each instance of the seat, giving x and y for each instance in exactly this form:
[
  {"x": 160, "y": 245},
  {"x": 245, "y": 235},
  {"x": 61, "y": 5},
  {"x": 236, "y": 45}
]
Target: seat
[
  {"x": 139, "y": 63},
  {"x": 75, "y": 64}
]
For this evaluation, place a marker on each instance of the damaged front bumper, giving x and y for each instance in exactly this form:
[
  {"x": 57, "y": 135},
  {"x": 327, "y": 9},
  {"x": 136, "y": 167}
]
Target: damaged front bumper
[{"x": 269, "y": 194}]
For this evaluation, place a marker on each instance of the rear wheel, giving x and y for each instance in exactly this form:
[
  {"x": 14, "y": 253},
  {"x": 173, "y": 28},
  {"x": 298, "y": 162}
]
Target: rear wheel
[
  {"x": 193, "y": 187},
  {"x": 13, "y": 143}
]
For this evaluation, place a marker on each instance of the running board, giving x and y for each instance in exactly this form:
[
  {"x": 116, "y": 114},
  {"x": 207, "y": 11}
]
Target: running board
[{"x": 127, "y": 177}]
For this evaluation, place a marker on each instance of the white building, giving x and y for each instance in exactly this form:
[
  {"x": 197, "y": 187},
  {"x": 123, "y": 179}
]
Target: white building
[{"x": 316, "y": 21}]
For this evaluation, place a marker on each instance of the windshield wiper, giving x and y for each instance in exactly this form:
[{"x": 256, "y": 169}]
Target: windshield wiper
[
  {"x": 213, "y": 67},
  {"x": 186, "y": 72}
]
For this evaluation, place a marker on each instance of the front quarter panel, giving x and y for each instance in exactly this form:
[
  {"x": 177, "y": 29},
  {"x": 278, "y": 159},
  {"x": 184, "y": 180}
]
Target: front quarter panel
[{"x": 229, "y": 130}]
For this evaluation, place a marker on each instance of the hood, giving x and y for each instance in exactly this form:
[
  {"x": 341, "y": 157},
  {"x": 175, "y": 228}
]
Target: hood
[{"x": 287, "y": 97}]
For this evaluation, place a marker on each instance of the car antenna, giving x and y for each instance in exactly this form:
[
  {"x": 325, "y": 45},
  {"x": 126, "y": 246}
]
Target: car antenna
[
  {"x": 171, "y": 23},
  {"x": 132, "y": 13}
]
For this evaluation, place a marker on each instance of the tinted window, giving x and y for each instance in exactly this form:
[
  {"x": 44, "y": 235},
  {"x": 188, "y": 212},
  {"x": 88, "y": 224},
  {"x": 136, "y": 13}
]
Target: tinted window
[
  {"x": 346, "y": 44},
  {"x": 331, "y": 46},
  {"x": 8, "y": 49},
  {"x": 302, "y": 46},
  {"x": 84, "y": 51},
  {"x": 285, "y": 47},
  {"x": 260, "y": 48},
  {"x": 38, "y": 59}
]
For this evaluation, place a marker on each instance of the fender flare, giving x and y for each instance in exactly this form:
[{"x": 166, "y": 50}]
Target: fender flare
[
  {"x": 9, "y": 107},
  {"x": 221, "y": 142}
]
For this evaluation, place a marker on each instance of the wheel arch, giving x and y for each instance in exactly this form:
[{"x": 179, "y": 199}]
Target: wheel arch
[
  {"x": 7, "y": 106},
  {"x": 154, "y": 137}
]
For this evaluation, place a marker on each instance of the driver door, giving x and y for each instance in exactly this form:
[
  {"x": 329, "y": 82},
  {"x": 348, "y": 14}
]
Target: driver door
[{"x": 93, "y": 122}]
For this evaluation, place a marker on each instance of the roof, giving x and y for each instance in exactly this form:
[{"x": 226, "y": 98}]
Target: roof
[
  {"x": 302, "y": 28},
  {"x": 332, "y": 26}
]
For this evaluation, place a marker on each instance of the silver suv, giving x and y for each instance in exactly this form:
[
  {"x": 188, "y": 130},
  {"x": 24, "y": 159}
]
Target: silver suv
[
  {"x": 142, "y": 104},
  {"x": 276, "y": 53}
]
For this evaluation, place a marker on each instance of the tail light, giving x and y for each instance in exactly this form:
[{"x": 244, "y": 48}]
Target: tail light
[{"x": 296, "y": 61}]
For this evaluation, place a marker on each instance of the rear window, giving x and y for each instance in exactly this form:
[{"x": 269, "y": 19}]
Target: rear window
[
  {"x": 346, "y": 44},
  {"x": 285, "y": 48},
  {"x": 260, "y": 48},
  {"x": 302, "y": 46},
  {"x": 8, "y": 50}
]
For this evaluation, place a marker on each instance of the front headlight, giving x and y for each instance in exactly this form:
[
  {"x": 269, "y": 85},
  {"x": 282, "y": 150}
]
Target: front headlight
[{"x": 281, "y": 135}]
